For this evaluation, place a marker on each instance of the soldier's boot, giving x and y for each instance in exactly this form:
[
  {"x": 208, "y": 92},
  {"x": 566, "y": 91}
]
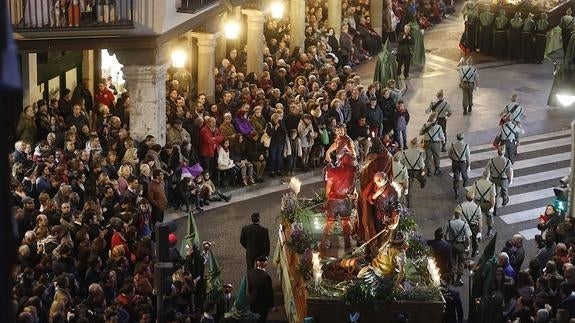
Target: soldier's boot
[
  {"x": 470, "y": 108},
  {"x": 464, "y": 111},
  {"x": 489, "y": 231},
  {"x": 456, "y": 192}
]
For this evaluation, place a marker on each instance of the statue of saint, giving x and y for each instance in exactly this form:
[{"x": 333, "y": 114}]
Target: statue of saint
[{"x": 341, "y": 196}]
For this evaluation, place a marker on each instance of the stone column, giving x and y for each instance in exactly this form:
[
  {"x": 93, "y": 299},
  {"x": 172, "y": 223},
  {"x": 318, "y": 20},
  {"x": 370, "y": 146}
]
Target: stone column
[
  {"x": 255, "y": 42},
  {"x": 31, "y": 91},
  {"x": 88, "y": 68},
  {"x": 206, "y": 63},
  {"x": 145, "y": 75},
  {"x": 376, "y": 14},
  {"x": 334, "y": 16},
  {"x": 297, "y": 21}
]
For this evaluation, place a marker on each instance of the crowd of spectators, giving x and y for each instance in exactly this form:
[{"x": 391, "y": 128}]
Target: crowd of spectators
[
  {"x": 545, "y": 290},
  {"x": 86, "y": 195}
]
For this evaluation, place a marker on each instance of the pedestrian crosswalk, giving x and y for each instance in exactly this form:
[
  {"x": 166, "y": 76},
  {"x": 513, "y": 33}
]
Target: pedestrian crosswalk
[{"x": 542, "y": 161}]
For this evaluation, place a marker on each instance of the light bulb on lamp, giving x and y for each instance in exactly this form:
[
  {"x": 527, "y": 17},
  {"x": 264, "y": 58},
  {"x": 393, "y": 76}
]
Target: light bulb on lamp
[
  {"x": 277, "y": 10},
  {"x": 178, "y": 58},
  {"x": 232, "y": 29},
  {"x": 295, "y": 185}
]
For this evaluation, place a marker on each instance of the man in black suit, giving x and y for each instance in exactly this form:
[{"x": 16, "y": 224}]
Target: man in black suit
[
  {"x": 442, "y": 253},
  {"x": 255, "y": 239},
  {"x": 260, "y": 290}
]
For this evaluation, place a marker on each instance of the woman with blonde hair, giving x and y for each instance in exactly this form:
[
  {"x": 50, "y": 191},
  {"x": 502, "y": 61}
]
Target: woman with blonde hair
[
  {"x": 131, "y": 156},
  {"x": 123, "y": 173}
]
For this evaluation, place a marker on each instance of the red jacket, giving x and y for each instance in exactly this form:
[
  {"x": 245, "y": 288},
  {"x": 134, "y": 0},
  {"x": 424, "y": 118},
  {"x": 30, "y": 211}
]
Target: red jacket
[
  {"x": 209, "y": 141},
  {"x": 107, "y": 97}
]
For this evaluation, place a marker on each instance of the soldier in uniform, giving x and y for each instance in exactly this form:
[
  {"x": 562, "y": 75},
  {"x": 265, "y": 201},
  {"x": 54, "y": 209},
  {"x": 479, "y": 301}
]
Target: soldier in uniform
[
  {"x": 458, "y": 234},
  {"x": 486, "y": 36},
  {"x": 514, "y": 109},
  {"x": 514, "y": 37},
  {"x": 541, "y": 29},
  {"x": 472, "y": 215},
  {"x": 500, "y": 35},
  {"x": 527, "y": 44},
  {"x": 468, "y": 78},
  {"x": 414, "y": 160},
  {"x": 510, "y": 130},
  {"x": 499, "y": 170},
  {"x": 443, "y": 110},
  {"x": 567, "y": 25},
  {"x": 400, "y": 177},
  {"x": 433, "y": 138},
  {"x": 459, "y": 153},
  {"x": 484, "y": 193}
]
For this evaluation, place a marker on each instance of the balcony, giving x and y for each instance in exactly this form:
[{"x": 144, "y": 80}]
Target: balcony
[
  {"x": 50, "y": 15},
  {"x": 193, "y": 6}
]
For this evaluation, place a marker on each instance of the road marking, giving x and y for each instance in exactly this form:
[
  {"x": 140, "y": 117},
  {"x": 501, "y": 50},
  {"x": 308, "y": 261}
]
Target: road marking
[
  {"x": 522, "y": 149},
  {"x": 516, "y": 199},
  {"x": 526, "y": 163},
  {"x": 522, "y": 216},
  {"x": 539, "y": 177},
  {"x": 527, "y": 139},
  {"x": 529, "y": 234}
]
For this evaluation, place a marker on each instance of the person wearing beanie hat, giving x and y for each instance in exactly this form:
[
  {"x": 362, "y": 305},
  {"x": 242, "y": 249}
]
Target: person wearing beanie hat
[
  {"x": 433, "y": 138},
  {"x": 459, "y": 154},
  {"x": 443, "y": 111}
]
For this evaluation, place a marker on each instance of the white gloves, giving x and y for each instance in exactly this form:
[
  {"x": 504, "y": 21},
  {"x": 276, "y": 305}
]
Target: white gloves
[{"x": 478, "y": 236}]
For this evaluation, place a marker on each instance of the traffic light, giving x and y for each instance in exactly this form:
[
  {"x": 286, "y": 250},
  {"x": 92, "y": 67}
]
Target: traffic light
[{"x": 560, "y": 202}]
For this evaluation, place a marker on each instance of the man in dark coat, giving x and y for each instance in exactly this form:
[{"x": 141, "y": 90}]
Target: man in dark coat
[
  {"x": 260, "y": 290},
  {"x": 442, "y": 252},
  {"x": 255, "y": 239}
]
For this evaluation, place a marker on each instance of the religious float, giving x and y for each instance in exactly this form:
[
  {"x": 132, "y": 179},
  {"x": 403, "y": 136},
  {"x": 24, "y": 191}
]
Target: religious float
[{"x": 352, "y": 252}]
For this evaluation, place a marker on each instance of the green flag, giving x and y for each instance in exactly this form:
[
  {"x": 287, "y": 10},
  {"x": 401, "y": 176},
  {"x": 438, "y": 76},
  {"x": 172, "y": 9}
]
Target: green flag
[
  {"x": 192, "y": 236},
  {"x": 483, "y": 284},
  {"x": 214, "y": 286},
  {"x": 240, "y": 310}
]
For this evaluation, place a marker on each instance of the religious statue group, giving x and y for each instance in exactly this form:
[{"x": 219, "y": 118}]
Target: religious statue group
[
  {"x": 521, "y": 37},
  {"x": 377, "y": 204}
]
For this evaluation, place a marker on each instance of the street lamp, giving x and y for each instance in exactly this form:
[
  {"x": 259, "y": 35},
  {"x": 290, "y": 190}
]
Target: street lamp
[
  {"x": 231, "y": 29},
  {"x": 179, "y": 58},
  {"x": 277, "y": 10}
]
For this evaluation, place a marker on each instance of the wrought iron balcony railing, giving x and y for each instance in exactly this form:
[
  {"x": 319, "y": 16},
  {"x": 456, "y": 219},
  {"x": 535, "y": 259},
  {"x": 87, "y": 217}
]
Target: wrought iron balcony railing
[
  {"x": 192, "y": 6},
  {"x": 39, "y": 15}
]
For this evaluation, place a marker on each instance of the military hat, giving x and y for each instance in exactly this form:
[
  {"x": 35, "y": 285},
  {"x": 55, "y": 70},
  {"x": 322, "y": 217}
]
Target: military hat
[
  {"x": 460, "y": 136},
  {"x": 413, "y": 141}
]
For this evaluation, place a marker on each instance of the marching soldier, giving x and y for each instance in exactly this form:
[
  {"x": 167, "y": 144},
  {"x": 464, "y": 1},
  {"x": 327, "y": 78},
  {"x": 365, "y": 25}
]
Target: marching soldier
[
  {"x": 458, "y": 234},
  {"x": 443, "y": 110},
  {"x": 567, "y": 25},
  {"x": 459, "y": 153},
  {"x": 472, "y": 214},
  {"x": 414, "y": 160},
  {"x": 484, "y": 193},
  {"x": 514, "y": 109},
  {"x": 509, "y": 135},
  {"x": 433, "y": 138},
  {"x": 499, "y": 170},
  {"x": 400, "y": 177},
  {"x": 468, "y": 81}
]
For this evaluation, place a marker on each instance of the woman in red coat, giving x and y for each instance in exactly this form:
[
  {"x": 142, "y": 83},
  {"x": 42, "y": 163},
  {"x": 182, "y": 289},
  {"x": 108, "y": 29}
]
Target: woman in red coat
[{"x": 210, "y": 139}]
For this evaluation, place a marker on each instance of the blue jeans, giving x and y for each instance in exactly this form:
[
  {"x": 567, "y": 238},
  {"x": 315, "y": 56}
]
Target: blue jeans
[
  {"x": 275, "y": 157},
  {"x": 401, "y": 138}
]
